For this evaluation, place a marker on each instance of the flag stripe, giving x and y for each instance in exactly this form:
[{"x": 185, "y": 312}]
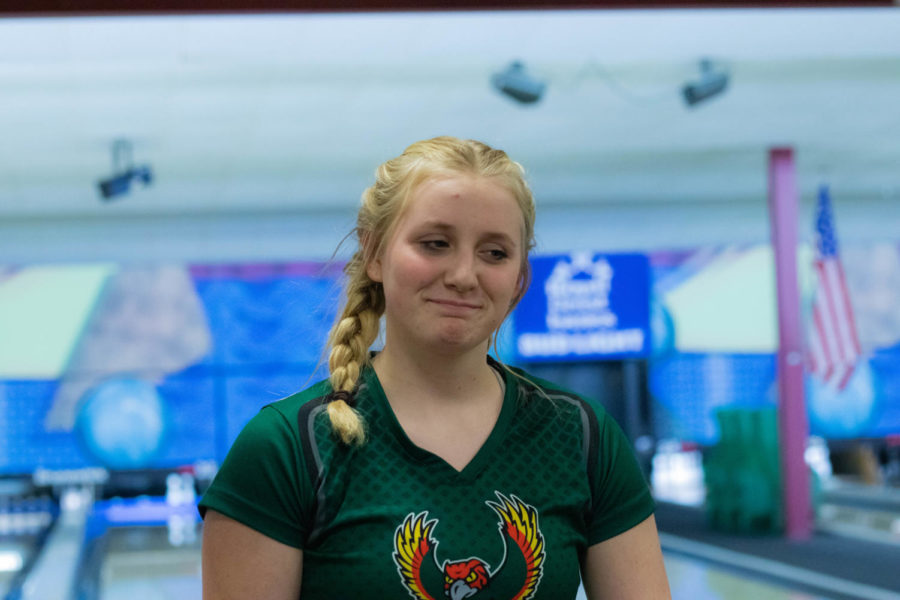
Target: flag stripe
[
  {"x": 827, "y": 334},
  {"x": 833, "y": 313},
  {"x": 821, "y": 347},
  {"x": 844, "y": 379},
  {"x": 851, "y": 322},
  {"x": 836, "y": 295}
]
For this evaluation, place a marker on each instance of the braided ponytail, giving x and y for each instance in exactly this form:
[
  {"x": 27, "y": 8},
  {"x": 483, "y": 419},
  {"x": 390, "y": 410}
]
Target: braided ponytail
[{"x": 350, "y": 339}]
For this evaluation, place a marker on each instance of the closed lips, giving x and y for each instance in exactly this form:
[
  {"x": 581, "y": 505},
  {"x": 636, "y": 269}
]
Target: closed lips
[{"x": 455, "y": 303}]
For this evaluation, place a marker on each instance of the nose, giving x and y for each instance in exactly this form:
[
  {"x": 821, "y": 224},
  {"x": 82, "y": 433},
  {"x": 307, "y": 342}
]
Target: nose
[{"x": 461, "y": 272}]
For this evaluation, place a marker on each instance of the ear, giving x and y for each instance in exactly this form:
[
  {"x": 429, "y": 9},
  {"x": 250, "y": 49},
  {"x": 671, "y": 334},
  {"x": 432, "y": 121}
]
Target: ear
[
  {"x": 373, "y": 270},
  {"x": 372, "y": 262}
]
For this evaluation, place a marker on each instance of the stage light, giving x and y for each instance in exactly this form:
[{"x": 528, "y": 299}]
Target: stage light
[
  {"x": 518, "y": 84},
  {"x": 124, "y": 173}
]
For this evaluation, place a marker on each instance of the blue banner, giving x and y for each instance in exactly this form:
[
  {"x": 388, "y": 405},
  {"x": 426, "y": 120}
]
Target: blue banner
[{"x": 585, "y": 306}]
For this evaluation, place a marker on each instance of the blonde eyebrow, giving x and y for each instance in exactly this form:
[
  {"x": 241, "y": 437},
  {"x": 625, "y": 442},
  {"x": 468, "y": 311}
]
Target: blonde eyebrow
[
  {"x": 436, "y": 225},
  {"x": 491, "y": 235},
  {"x": 502, "y": 237}
]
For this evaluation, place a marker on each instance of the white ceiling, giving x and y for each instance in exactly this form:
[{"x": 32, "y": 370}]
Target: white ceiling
[{"x": 278, "y": 113}]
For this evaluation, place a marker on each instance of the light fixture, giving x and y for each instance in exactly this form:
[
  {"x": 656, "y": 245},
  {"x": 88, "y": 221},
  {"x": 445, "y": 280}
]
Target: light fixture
[
  {"x": 515, "y": 82},
  {"x": 124, "y": 172},
  {"x": 712, "y": 82}
]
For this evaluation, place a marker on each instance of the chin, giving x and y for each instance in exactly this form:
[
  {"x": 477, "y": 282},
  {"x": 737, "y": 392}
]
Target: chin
[
  {"x": 462, "y": 346},
  {"x": 455, "y": 341},
  {"x": 453, "y": 337}
]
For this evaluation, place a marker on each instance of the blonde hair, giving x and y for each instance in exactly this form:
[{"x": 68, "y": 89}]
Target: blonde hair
[{"x": 383, "y": 203}]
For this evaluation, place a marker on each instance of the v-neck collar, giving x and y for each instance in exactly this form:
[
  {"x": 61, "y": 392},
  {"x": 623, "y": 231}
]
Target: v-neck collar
[{"x": 484, "y": 455}]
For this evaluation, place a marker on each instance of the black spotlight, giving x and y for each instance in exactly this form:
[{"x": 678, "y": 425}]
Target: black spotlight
[
  {"x": 124, "y": 173},
  {"x": 712, "y": 82},
  {"x": 515, "y": 82}
]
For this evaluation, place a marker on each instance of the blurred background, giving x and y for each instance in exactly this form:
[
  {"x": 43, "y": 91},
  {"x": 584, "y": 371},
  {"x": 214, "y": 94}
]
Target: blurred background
[{"x": 175, "y": 185}]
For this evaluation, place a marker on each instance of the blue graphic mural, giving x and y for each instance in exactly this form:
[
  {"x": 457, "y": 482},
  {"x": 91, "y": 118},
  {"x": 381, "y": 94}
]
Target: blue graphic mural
[
  {"x": 167, "y": 363},
  {"x": 714, "y": 322},
  {"x": 160, "y": 366}
]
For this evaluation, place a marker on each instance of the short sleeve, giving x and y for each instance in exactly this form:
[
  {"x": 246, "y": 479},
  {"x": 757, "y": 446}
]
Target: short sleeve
[
  {"x": 620, "y": 495},
  {"x": 261, "y": 483}
]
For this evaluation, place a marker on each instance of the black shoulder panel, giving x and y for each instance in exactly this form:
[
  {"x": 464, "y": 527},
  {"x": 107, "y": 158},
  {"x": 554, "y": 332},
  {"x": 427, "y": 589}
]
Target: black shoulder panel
[
  {"x": 312, "y": 461},
  {"x": 305, "y": 426}
]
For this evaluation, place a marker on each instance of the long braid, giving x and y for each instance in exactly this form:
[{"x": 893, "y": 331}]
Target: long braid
[{"x": 350, "y": 340}]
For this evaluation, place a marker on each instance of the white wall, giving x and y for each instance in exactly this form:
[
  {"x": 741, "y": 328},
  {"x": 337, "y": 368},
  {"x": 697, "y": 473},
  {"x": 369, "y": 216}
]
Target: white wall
[{"x": 288, "y": 236}]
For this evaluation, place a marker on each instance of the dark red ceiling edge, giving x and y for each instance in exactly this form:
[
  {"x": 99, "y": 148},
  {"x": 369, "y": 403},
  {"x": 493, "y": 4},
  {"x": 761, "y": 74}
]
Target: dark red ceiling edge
[{"x": 36, "y": 8}]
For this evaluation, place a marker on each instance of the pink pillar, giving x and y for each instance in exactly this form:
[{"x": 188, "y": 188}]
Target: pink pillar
[{"x": 793, "y": 428}]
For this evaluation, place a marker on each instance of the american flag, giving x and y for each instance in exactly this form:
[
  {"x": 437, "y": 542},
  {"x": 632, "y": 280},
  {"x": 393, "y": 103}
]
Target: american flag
[{"x": 833, "y": 343}]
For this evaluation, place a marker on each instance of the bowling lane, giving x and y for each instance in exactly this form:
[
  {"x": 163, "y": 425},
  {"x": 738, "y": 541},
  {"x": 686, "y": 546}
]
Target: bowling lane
[
  {"x": 143, "y": 563},
  {"x": 692, "y": 579},
  {"x": 145, "y": 548},
  {"x": 14, "y": 552},
  {"x": 24, "y": 523}
]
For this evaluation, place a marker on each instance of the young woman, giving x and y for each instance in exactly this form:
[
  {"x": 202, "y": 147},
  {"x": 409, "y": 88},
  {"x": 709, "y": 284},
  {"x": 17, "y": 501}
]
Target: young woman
[{"x": 429, "y": 470}]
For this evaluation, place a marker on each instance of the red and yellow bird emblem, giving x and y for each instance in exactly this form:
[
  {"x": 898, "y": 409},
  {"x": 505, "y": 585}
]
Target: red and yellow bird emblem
[{"x": 519, "y": 572}]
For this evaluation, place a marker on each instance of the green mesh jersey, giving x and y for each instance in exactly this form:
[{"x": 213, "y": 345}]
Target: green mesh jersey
[{"x": 389, "y": 520}]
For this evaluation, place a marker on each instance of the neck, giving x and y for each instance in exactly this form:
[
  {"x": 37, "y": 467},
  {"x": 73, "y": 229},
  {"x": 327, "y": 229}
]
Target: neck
[{"x": 443, "y": 378}]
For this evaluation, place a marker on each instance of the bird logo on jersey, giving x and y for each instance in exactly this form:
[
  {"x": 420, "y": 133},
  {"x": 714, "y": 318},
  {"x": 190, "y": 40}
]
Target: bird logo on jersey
[{"x": 519, "y": 572}]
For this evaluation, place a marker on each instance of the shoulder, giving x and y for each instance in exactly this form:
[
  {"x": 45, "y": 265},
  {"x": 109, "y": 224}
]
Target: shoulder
[
  {"x": 602, "y": 440},
  {"x": 533, "y": 389},
  {"x": 282, "y": 424},
  {"x": 277, "y": 426},
  {"x": 267, "y": 478},
  {"x": 297, "y": 407}
]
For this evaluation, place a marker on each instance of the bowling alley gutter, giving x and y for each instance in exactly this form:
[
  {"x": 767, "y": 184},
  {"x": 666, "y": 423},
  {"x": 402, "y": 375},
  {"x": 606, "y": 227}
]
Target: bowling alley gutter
[{"x": 53, "y": 574}]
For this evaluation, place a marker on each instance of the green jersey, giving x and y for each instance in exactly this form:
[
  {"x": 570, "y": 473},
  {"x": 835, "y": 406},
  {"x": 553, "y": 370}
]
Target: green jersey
[{"x": 390, "y": 520}]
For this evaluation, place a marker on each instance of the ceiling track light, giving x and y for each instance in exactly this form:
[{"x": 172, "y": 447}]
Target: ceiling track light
[
  {"x": 124, "y": 173},
  {"x": 515, "y": 82},
  {"x": 713, "y": 81}
]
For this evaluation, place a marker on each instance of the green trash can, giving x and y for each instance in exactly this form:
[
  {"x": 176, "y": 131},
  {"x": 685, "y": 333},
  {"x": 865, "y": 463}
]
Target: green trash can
[{"x": 742, "y": 472}]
